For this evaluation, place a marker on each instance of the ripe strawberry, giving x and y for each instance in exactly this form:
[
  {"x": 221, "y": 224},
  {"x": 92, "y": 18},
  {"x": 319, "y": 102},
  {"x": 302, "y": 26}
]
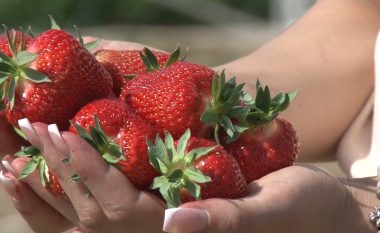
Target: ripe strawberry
[
  {"x": 22, "y": 40},
  {"x": 182, "y": 96},
  {"x": 51, "y": 80},
  {"x": 194, "y": 168},
  {"x": 120, "y": 137},
  {"x": 268, "y": 143},
  {"x": 124, "y": 64}
]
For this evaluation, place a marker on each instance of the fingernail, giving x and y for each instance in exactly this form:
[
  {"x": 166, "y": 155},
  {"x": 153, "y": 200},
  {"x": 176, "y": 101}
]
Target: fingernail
[
  {"x": 56, "y": 137},
  {"x": 26, "y": 127},
  {"x": 8, "y": 166},
  {"x": 9, "y": 185},
  {"x": 185, "y": 220}
]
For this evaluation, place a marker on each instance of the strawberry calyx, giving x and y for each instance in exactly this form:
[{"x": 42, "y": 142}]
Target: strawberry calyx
[
  {"x": 16, "y": 68},
  {"x": 89, "y": 45},
  {"x": 37, "y": 162},
  {"x": 176, "y": 167},
  {"x": 151, "y": 63},
  {"x": 264, "y": 109},
  {"x": 226, "y": 111},
  {"x": 110, "y": 151}
]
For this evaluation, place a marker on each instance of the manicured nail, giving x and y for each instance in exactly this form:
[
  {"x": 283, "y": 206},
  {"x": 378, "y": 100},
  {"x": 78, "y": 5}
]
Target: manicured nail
[
  {"x": 27, "y": 128},
  {"x": 185, "y": 220},
  {"x": 9, "y": 185},
  {"x": 56, "y": 137},
  {"x": 8, "y": 166}
]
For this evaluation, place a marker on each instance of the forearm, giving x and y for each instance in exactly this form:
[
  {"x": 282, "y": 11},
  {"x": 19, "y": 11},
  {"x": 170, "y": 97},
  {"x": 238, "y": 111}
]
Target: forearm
[
  {"x": 327, "y": 56},
  {"x": 359, "y": 202}
]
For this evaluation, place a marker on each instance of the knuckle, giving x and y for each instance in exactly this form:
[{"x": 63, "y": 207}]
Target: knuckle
[
  {"x": 90, "y": 219},
  {"x": 116, "y": 212}
]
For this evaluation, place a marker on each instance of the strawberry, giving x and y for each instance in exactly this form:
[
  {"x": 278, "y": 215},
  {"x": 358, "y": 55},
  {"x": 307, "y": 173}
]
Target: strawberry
[
  {"x": 120, "y": 137},
  {"x": 22, "y": 41},
  {"x": 194, "y": 168},
  {"x": 269, "y": 143},
  {"x": 123, "y": 64},
  {"x": 51, "y": 80},
  {"x": 182, "y": 96}
]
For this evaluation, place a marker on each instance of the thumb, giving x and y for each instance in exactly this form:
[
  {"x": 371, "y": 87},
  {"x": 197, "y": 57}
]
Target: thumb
[{"x": 211, "y": 215}]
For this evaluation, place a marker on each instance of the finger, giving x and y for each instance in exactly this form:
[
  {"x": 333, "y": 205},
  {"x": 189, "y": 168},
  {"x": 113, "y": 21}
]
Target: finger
[
  {"x": 119, "y": 199},
  {"x": 211, "y": 215},
  {"x": 32, "y": 208},
  {"x": 62, "y": 206},
  {"x": 76, "y": 191},
  {"x": 30, "y": 133}
]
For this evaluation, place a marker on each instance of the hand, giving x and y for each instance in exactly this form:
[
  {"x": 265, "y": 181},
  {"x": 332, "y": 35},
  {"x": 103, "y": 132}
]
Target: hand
[
  {"x": 302, "y": 199},
  {"x": 103, "y": 200},
  {"x": 10, "y": 142}
]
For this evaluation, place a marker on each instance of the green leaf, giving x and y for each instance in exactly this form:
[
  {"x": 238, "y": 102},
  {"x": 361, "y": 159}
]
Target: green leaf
[
  {"x": 159, "y": 181},
  {"x": 169, "y": 145},
  {"x": 92, "y": 44},
  {"x": 146, "y": 62},
  {"x": 12, "y": 91},
  {"x": 20, "y": 133},
  {"x": 53, "y": 23},
  {"x": 197, "y": 153},
  {"x": 25, "y": 57},
  {"x": 173, "y": 57},
  {"x": 110, "y": 158},
  {"x": 29, "y": 31},
  {"x": 21, "y": 47},
  {"x": 175, "y": 176},
  {"x": 6, "y": 68},
  {"x": 130, "y": 76},
  {"x": 12, "y": 46},
  {"x": 227, "y": 125},
  {"x": 99, "y": 138},
  {"x": 210, "y": 116},
  {"x": 182, "y": 142},
  {"x": 194, "y": 189},
  {"x": 3, "y": 77},
  {"x": 34, "y": 75},
  {"x": 42, "y": 172},
  {"x": 80, "y": 38},
  {"x": 29, "y": 168},
  {"x": 115, "y": 150},
  {"x": 195, "y": 175},
  {"x": 152, "y": 154},
  {"x": 5, "y": 58},
  {"x": 151, "y": 58}
]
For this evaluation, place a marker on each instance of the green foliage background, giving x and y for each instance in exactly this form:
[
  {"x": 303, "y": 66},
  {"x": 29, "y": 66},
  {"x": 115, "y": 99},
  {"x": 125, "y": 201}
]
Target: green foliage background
[{"x": 16, "y": 13}]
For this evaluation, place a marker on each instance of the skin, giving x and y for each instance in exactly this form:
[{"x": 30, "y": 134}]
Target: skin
[{"x": 299, "y": 199}]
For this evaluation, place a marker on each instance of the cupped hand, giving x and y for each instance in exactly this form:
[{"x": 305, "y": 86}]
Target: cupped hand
[
  {"x": 103, "y": 200},
  {"x": 296, "y": 199}
]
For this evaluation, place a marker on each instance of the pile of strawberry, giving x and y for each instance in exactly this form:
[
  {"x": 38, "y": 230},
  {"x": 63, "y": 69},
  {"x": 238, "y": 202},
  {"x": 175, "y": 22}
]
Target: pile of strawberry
[{"x": 166, "y": 123}]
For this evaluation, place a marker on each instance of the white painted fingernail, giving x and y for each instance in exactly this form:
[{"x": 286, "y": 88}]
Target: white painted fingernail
[
  {"x": 26, "y": 127},
  {"x": 8, "y": 166},
  {"x": 185, "y": 220},
  {"x": 56, "y": 137}
]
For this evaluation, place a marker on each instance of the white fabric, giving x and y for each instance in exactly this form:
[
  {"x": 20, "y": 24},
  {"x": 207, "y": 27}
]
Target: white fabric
[{"x": 359, "y": 150}]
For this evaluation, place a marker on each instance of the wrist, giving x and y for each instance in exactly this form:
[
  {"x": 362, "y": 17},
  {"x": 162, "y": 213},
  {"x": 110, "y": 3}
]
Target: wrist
[{"x": 358, "y": 202}]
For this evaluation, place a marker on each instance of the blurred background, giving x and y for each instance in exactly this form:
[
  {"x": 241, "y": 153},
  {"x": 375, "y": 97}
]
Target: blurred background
[{"x": 216, "y": 31}]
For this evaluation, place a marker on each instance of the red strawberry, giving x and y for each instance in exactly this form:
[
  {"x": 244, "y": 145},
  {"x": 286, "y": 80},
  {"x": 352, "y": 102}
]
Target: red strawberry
[
  {"x": 52, "y": 86},
  {"x": 195, "y": 168},
  {"x": 176, "y": 97},
  {"x": 20, "y": 37},
  {"x": 269, "y": 143},
  {"x": 123, "y": 64},
  {"x": 120, "y": 136}
]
